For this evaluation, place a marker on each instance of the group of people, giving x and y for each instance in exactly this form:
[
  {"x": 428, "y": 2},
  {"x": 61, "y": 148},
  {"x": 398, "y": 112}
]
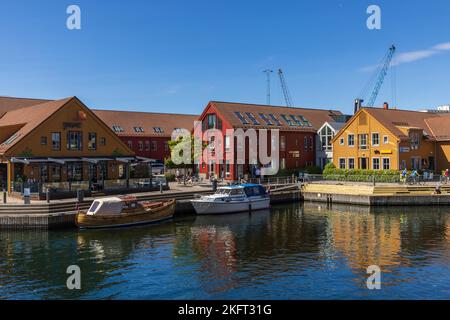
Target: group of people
[{"x": 181, "y": 178}]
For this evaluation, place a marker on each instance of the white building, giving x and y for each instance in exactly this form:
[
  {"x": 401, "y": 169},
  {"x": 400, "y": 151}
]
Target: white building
[{"x": 324, "y": 152}]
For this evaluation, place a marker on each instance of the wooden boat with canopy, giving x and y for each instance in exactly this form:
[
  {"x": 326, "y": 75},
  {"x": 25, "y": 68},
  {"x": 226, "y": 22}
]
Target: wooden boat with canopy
[{"x": 124, "y": 211}]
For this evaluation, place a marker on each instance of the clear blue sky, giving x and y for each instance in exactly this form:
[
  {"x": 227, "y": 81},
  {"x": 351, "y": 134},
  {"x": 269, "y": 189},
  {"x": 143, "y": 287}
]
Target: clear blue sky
[{"x": 175, "y": 56}]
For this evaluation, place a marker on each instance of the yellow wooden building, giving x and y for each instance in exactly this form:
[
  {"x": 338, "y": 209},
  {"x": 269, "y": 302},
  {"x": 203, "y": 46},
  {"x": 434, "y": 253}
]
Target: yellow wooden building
[{"x": 383, "y": 138}]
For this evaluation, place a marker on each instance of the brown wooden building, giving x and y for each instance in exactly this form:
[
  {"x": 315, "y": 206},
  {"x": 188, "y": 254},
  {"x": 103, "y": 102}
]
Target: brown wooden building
[{"x": 56, "y": 142}]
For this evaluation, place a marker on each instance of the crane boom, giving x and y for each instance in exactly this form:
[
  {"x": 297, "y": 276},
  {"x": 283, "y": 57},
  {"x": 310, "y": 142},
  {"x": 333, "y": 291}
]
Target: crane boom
[
  {"x": 379, "y": 79},
  {"x": 287, "y": 95}
]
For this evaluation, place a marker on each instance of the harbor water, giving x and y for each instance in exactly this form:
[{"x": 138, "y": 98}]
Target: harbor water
[{"x": 295, "y": 251}]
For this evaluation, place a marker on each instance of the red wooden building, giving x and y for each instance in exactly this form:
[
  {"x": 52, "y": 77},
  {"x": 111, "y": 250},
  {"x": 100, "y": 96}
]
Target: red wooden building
[
  {"x": 146, "y": 133},
  {"x": 297, "y": 135}
]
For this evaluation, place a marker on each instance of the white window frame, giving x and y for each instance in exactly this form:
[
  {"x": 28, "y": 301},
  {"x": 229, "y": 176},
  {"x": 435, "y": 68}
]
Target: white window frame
[
  {"x": 376, "y": 144},
  {"x": 385, "y": 139},
  {"x": 348, "y": 140},
  {"x": 382, "y": 163},
  {"x": 379, "y": 163},
  {"x": 348, "y": 163},
  {"x": 345, "y": 163}
]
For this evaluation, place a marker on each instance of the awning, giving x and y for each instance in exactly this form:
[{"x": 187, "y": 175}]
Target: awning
[
  {"x": 143, "y": 159},
  {"x": 125, "y": 159},
  {"x": 96, "y": 160}
]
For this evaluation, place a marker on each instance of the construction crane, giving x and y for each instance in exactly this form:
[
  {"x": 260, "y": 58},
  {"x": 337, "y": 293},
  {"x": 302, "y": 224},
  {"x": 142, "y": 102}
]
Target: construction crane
[
  {"x": 376, "y": 81},
  {"x": 287, "y": 95},
  {"x": 268, "y": 72}
]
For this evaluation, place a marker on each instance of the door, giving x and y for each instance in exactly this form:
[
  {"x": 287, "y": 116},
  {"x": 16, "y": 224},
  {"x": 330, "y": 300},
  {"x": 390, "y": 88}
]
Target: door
[{"x": 363, "y": 163}]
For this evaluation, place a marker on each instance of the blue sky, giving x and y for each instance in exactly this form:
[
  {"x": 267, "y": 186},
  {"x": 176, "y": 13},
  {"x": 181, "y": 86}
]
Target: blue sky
[{"x": 175, "y": 56}]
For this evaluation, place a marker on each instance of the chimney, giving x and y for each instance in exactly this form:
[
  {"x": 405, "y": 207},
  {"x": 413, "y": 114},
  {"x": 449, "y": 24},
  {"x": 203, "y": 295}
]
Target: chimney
[
  {"x": 386, "y": 106},
  {"x": 358, "y": 103}
]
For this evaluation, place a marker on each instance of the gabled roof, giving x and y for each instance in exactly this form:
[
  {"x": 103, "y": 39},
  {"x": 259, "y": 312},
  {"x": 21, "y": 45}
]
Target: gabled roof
[
  {"x": 435, "y": 125},
  {"x": 128, "y": 120},
  {"x": 394, "y": 119},
  {"x": 12, "y": 103},
  {"x": 317, "y": 117},
  {"x": 28, "y": 118}
]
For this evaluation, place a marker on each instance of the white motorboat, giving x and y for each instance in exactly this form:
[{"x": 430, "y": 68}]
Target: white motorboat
[{"x": 234, "y": 198}]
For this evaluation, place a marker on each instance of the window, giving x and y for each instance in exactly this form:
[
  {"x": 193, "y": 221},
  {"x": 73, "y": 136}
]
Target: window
[
  {"x": 305, "y": 142},
  {"x": 117, "y": 128},
  {"x": 138, "y": 129},
  {"x": 341, "y": 141},
  {"x": 147, "y": 145},
  {"x": 75, "y": 171},
  {"x": 178, "y": 130},
  {"x": 227, "y": 168},
  {"x": 275, "y": 119},
  {"x": 297, "y": 121},
  {"x": 326, "y": 135},
  {"x": 306, "y": 123},
  {"x": 56, "y": 140},
  {"x": 351, "y": 163},
  {"x": 351, "y": 140},
  {"x": 158, "y": 130},
  {"x": 386, "y": 163},
  {"x": 92, "y": 141},
  {"x": 227, "y": 143},
  {"x": 11, "y": 139},
  {"x": 130, "y": 144},
  {"x": 154, "y": 146},
  {"x": 252, "y": 118},
  {"x": 283, "y": 164},
  {"x": 362, "y": 141},
  {"x": 241, "y": 118},
  {"x": 288, "y": 121},
  {"x": 375, "y": 139},
  {"x": 43, "y": 141},
  {"x": 311, "y": 143},
  {"x": 385, "y": 139},
  {"x": 55, "y": 172},
  {"x": 166, "y": 146},
  {"x": 414, "y": 140},
  {"x": 211, "y": 121},
  {"x": 43, "y": 172},
  {"x": 376, "y": 163},
  {"x": 266, "y": 120},
  {"x": 282, "y": 143},
  {"x": 141, "y": 145},
  {"x": 341, "y": 163},
  {"x": 74, "y": 140},
  {"x": 103, "y": 141}
]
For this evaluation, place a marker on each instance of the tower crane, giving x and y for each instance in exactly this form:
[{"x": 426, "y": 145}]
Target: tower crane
[
  {"x": 376, "y": 81},
  {"x": 287, "y": 95},
  {"x": 268, "y": 72}
]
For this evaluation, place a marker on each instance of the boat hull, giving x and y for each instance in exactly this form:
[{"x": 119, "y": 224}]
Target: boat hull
[
  {"x": 217, "y": 207},
  {"x": 134, "y": 218}
]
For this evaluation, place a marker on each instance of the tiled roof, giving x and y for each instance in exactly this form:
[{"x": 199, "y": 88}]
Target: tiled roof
[
  {"x": 11, "y": 103},
  {"x": 28, "y": 118},
  {"x": 316, "y": 117},
  {"x": 394, "y": 119},
  {"x": 148, "y": 121},
  {"x": 440, "y": 127}
]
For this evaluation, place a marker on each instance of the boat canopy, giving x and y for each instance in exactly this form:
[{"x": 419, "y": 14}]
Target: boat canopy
[{"x": 106, "y": 206}]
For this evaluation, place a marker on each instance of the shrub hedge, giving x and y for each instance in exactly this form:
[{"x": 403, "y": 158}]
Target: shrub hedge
[{"x": 330, "y": 172}]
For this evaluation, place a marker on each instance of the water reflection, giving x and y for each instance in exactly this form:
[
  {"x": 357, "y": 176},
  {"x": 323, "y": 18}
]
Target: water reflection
[{"x": 292, "y": 251}]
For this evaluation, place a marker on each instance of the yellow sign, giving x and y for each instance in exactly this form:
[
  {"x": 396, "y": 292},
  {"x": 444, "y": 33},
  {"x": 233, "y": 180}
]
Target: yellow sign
[{"x": 386, "y": 151}]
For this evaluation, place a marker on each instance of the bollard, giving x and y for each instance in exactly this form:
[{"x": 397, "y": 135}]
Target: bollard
[
  {"x": 4, "y": 196},
  {"x": 80, "y": 195},
  {"x": 160, "y": 187},
  {"x": 47, "y": 195},
  {"x": 26, "y": 196}
]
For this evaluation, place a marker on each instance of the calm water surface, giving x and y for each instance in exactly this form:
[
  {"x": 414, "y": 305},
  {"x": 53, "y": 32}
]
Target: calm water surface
[{"x": 290, "y": 252}]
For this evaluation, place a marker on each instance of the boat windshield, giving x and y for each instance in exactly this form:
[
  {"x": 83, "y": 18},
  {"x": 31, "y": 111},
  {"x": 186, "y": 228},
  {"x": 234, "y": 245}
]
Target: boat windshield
[
  {"x": 93, "y": 207},
  {"x": 230, "y": 192}
]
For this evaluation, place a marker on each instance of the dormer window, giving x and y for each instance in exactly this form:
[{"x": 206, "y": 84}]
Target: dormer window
[
  {"x": 158, "y": 130},
  {"x": 117, "y": 128},
  {"x": 138, "y": 129}
]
